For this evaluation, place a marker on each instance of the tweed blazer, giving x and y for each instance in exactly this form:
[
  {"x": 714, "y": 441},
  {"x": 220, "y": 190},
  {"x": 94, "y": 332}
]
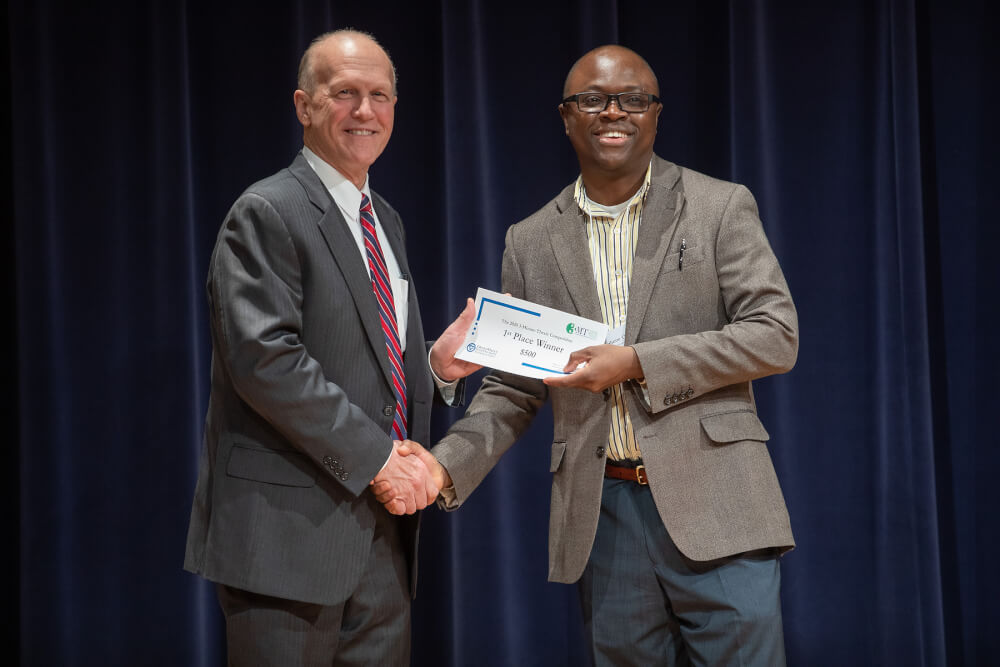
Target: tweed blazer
[
  {"x": 702, "y": 331},
  {"x": 302, "y": 402}
]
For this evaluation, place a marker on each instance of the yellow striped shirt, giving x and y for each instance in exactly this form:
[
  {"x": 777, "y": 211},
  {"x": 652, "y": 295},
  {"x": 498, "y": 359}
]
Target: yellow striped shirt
[{"x": 612, "y": 233}]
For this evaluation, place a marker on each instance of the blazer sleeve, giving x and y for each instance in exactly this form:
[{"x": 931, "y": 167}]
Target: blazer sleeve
[
  {"x": 761, "y": 335},
  {"x": 499, "y": 413},
  {"x": 255, "y": 292}
]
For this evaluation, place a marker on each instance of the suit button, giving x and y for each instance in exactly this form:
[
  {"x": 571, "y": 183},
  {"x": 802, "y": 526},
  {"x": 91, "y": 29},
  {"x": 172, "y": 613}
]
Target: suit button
[
  {"x": 388, "y": 410},
  {"x": 600, "y": 452},
  {"x": 689, "y": 393}
]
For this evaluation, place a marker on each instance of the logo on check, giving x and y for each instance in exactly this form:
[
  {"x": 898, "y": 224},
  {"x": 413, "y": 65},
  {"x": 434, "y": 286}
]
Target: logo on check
[{"x": 577, "y": 330}]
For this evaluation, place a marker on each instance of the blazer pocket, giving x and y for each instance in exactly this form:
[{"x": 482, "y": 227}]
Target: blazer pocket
[
  {"x": 284, "y": 468},
  {"x": 729, "y": 427},
  {"x": 692, "y": 255},
  {"x": 558, "y": 450}
]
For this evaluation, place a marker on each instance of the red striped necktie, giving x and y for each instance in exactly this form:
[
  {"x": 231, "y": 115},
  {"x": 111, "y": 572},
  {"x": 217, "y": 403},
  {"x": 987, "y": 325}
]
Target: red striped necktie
[{"x": 382, "y": 287}]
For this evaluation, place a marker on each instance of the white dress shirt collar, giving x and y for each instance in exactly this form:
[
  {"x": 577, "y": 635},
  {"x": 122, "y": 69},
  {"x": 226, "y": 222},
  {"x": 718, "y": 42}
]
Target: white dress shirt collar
[
  {"x": 348, "y": 199},
  {"x": 343, "y": 191}
]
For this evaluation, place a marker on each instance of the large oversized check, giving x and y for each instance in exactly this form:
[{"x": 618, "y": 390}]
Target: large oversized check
[{"x": 525, "y": 338}]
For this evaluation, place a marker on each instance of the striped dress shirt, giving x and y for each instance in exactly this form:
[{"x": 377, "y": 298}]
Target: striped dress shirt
[{"x": 612, "y": 233}]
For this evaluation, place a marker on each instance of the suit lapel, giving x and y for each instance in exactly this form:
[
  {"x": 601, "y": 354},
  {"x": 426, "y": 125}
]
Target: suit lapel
[
  {"x": 568, "y": 235},
  {"x": 341, "y": 243},
  {"x": 660, "y": 213}
]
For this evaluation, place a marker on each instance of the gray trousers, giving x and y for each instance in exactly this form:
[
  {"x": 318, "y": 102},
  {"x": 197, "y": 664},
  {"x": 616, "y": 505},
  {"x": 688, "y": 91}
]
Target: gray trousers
[
  {"x": 371, "y": 627},
  {"x": 644, "y": 603}
]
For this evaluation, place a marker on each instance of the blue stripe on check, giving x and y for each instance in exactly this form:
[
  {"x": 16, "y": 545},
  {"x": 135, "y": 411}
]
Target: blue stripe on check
[
  {"x": 542, "y": 368},
  {"x": 505, "y": 305}
]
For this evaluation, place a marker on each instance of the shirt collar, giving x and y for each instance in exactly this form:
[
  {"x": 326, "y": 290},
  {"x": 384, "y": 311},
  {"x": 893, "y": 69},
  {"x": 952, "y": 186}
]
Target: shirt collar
[
  {"x": 344, "y": 192},
  {"x": 592, "y": 209}
]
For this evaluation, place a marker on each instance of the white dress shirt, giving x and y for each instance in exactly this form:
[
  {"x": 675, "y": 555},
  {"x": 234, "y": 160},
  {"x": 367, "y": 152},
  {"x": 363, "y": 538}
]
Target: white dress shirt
[{"x": 348, "y": 199}]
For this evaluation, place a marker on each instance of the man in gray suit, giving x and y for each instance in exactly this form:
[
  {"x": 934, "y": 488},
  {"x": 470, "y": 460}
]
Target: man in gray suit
[
  {"x": 665, "y": 505},
  {"x": 319, "y": 374}
]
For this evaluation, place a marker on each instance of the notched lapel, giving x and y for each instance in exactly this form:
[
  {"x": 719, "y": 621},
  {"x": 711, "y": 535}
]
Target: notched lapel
[
  {"x": 660, "y": 213},
  {"x": 345, "y": 252},
  {"x": 568, "y": 235},
  {"x": 311, "y": 183}
]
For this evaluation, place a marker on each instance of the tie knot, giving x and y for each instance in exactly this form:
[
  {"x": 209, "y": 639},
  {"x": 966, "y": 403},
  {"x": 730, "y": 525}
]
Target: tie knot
[{"x": 366, "y": 204}]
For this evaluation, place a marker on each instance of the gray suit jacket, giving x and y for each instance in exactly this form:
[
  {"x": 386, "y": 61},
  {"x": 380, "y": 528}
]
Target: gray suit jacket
[
  {"x": 302, "y": 401},
  {"x": 702, "y": 334}
]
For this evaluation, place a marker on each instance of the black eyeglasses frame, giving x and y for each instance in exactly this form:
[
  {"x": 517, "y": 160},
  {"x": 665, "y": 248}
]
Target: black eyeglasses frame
[{"x": 650, "y": 98}]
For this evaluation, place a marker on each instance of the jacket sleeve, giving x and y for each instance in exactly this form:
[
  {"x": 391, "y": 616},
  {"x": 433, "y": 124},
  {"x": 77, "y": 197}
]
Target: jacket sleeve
[
  {"x": 761, "y": 334},
  {"x": 501, "y": 411}
]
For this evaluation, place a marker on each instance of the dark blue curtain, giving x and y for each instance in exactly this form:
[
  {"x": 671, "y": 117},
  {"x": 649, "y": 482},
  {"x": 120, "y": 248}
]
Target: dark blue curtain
[{"x": 867, "y": 131}]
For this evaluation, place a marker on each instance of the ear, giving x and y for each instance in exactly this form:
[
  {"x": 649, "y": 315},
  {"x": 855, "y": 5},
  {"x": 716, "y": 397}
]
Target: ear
[
  {"x": 301, "y": 100},
  {"x": 564, "y": 113}
]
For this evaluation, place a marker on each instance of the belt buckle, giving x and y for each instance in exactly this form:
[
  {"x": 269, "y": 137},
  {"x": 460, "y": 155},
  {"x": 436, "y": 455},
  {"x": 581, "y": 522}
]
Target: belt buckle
[{"x": 640, "y": 475}]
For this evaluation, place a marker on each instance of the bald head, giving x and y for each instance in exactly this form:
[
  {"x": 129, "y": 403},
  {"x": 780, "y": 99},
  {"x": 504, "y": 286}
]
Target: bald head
[
  {"x": 614, "y": 145},
  {"x": 346, "y": 41},
  {"x": 346, "y": 101},
  {"x": 610, "y": 56}
]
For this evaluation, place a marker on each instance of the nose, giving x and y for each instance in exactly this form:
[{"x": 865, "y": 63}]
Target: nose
[
  {"x": 364, "y": 108},
  {"x": 615, "y": 112}
]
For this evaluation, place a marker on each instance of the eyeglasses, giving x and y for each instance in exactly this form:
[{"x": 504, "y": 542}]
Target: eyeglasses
[{"x": 598, "y": 102}]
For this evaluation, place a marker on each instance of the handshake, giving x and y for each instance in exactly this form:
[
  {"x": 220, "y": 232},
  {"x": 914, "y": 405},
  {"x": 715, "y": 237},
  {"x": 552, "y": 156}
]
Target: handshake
[{"x": 410, "y": 480}]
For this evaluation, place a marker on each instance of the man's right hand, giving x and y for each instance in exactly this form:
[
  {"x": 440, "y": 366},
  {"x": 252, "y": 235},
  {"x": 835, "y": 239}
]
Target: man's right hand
[
  {"x": 438, "y": 471},
  {"x": 405, "y": 485}
]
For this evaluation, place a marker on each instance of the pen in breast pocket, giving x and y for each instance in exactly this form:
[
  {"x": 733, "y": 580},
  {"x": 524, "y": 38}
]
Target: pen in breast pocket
[{"x": 680, "y": 260}]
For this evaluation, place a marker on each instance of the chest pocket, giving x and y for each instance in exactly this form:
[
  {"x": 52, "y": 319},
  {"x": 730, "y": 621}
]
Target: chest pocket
[{"x": 693, "y": 254}]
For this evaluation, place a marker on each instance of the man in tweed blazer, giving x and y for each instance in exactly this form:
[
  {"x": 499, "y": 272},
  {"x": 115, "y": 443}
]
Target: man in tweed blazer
[{"x": 674, "y": 538}]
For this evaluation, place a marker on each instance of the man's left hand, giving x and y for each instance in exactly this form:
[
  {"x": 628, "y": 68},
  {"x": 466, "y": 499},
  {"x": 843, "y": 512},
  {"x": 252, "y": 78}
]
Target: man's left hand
[
  {"x": 443, "y": 360},
  {"x": 604, "y": 366}
]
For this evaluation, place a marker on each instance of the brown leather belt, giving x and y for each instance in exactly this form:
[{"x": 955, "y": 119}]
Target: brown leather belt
[{"x": 637, "y": 474}]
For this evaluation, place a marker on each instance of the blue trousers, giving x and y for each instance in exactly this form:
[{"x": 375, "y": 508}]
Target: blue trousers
[{"x": 644, "y": 603}]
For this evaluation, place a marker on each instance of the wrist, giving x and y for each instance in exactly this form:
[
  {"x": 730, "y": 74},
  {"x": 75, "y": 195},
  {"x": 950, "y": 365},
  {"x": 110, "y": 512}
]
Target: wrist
[
  {"x": 434, "y": 362},
  {"x": 635, "y": 369},
  {"x": 441, "y": 477},
  {"x": 441, "y": 376}
]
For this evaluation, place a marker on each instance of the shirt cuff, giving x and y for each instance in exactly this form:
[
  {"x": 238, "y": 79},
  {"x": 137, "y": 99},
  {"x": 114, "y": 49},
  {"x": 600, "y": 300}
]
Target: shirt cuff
[
  {"x": 643, "y": 391},
  {"x": 446, "y": 389},
  {"x": 447, "y": 498}
]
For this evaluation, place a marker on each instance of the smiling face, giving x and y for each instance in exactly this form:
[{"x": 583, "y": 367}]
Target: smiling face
[
  {"x": 347, "y": 115},
  {"x": 611, "y": 145}
]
